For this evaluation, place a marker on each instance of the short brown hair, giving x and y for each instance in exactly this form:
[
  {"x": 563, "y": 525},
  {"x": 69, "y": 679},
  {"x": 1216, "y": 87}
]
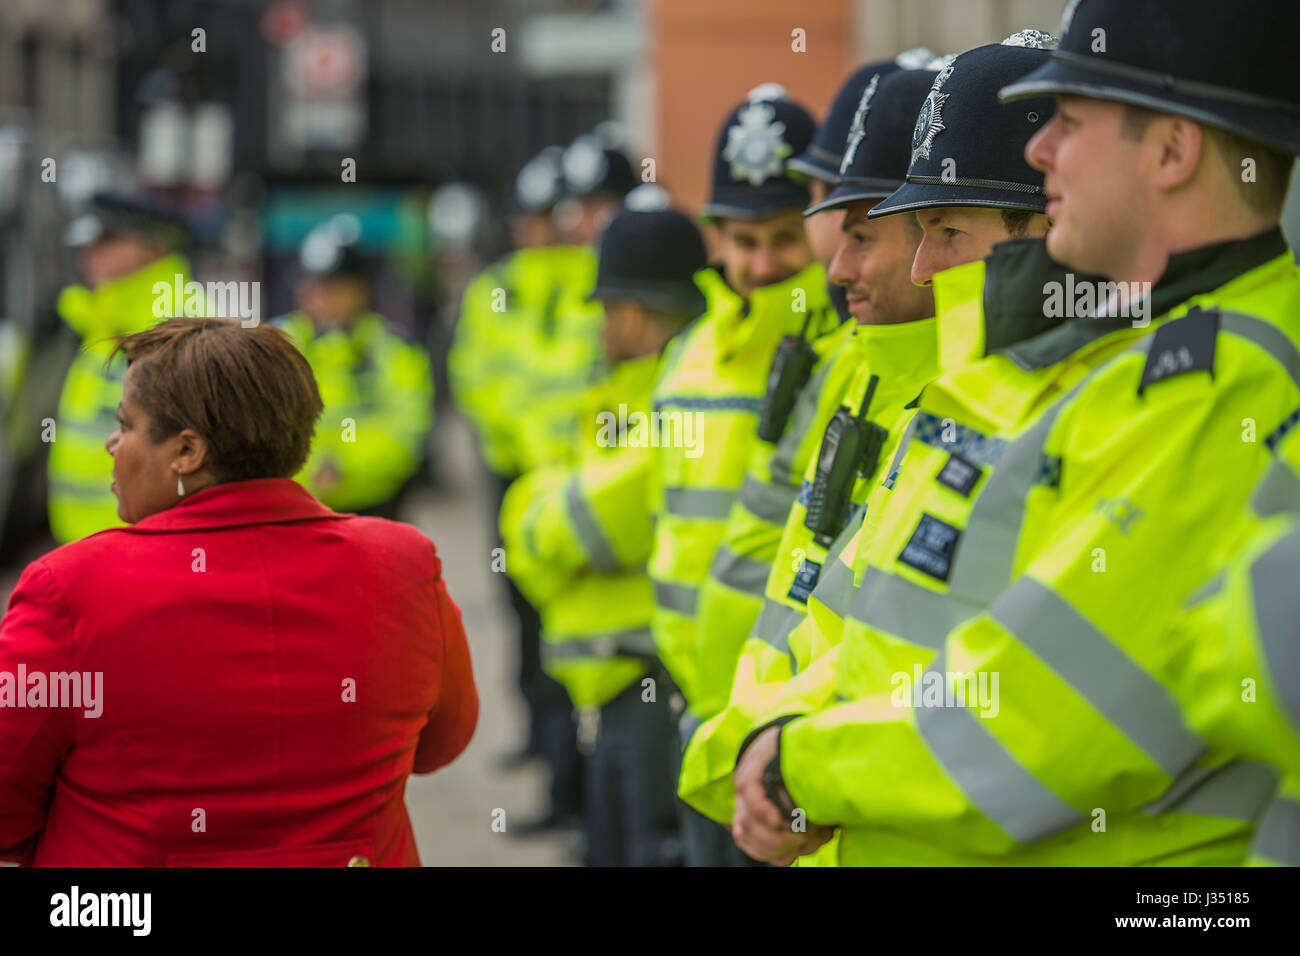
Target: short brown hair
[
  {"x": 1016, "y": 221},
  {"x": 1267, "y": 194},
  {"x": 248, "y": 391}
]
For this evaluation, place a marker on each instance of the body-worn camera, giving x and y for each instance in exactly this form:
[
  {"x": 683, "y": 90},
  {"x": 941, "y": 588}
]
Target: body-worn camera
[
  {"x": 791, "y": 367},
  {"x": 850, "y": 447}
]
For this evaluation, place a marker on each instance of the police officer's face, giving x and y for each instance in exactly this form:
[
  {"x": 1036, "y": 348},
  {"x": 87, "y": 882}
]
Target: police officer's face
[
  {"x": 873, "y": 263},
  {"x": 620, "y": 331},
  {"x": 824, "y": 228},
  {"x": 954, "y": 237},
  {"x": 333, "y": 301},
  {"x": 763, "y": 252},
  {"x": 117, "y": 256},
  {"x": 1096, "y": 180}
]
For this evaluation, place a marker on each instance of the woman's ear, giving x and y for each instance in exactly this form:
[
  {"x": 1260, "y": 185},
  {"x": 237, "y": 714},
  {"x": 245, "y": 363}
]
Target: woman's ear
[{"x": 192, "y": 451}]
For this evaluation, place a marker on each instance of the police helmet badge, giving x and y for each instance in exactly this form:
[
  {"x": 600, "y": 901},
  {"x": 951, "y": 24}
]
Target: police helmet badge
[
  {"x": 1032, "y": 39},
  {"x": 857, "y": 129},
  {"x": 929, "y": 123},
  {"x": 755, "y": 147},
  {"x": 917, "y": 58},
  {"x": 584, "y": 163}
]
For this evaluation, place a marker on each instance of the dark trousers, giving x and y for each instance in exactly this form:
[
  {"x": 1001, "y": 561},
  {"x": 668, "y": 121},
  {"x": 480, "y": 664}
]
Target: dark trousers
[
  {"x": 631, "y": 817},
  {"x": 707, "y": 843},
  {"x": 551, "y": 731}
]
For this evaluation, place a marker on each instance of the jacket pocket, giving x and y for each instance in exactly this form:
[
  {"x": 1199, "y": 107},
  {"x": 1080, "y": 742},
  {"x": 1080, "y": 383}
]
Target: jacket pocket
[{"x": 346, "y": 853}]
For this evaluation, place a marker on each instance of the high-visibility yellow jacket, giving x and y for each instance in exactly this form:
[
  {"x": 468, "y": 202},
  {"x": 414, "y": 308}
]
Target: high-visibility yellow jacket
[
  {"x": 526, "y": 349},
  {"x": 81, "y": 501},
  {"x": 905, "y": 357},
  {"x": 377, "y": 393},
  {"x": 1054, "y": 503},
  {"x": 732, "y": 594},
  {"x": 1243, "y": 657},
  {"x": 709, "y": 395},
  {"x": 577, "y": 539}
]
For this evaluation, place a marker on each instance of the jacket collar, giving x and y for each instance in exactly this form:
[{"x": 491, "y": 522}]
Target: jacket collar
[
  {"x": 1018, "y": 272},
  {"x": 769, "y": 314},
  {"x": 235, "y": 503}
]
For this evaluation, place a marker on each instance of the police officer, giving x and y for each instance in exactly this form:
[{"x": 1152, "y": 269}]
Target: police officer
[
  {"x": 825, "y": 527},
  {"x": 125, "y": 246},
  {"x": 578, "y": 538},
  {"x": 733, "y": 596},
  {"x": 716, "y": 375},
  {"x": 892, "y": 351},
  {"x": 376, "y": 388},
  {"x": 493, "y": 368},
  {"x": 1080, "y": 454}
]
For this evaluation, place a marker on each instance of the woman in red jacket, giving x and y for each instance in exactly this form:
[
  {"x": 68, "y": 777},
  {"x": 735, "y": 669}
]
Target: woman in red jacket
[{"x": 241, "y": 676}]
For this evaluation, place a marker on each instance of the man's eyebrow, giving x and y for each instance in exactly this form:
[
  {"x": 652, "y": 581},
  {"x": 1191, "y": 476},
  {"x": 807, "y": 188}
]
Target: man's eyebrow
[{"x": 853, "y": 219}]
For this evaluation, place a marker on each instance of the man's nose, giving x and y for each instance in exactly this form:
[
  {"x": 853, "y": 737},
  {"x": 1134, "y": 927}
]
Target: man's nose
[
  {"x": 841, "y": 271},
  {"x": 112, "y": 441},
  {"x": 1041, "y": 147},
  {"x": 923, "y": 264},
  {"x": 764, "y": 262}
]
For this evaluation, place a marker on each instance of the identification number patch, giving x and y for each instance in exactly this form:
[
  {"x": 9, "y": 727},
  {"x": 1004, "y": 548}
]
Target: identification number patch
[
  {"x": 805, "y": 580},
  {"x": 959, "y": 474},
  {"x": 931, "y": 547}
]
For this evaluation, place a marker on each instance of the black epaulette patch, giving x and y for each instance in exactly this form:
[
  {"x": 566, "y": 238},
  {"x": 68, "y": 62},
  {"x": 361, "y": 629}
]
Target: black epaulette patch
[{"x": 1181, "y": 346}]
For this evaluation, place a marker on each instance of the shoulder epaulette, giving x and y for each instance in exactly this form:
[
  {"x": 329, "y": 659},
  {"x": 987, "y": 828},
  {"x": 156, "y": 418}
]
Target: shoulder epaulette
[{"x": 1183, "y": 345}]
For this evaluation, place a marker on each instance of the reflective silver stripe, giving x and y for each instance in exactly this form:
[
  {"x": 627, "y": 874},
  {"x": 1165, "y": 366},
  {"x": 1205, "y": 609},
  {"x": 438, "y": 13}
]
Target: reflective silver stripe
[
  {"x": 1268, "y": 337},
  {"x": 1278, "y": 836},
  {"x": 902, "y": 450},
  {"x": 1206, "y": 591},
  {"x": 1103, "y": 674},
  {"x": 97, "y": 430},
  {"x": 599, "y": 549},
  {"x": 637, "y": 642},
  {"x": 1273, "y": 579},
  {"x": 774, "y": 624},
  {"x": 1239, "y": 790},
  {"x": 771, "y": 503},
  {"x": 676, "y": 597},
  {"x": 1278, "y": 491},
  {"x": 740, "y": 572},
  {"x": 801, "y": 419},
  {"x": 896, "y": 606},
  {"x": 992, "y": 778},
  {"x": 993, "y": 529},
  {"x": 72, "y": 489},
  {"x": 834, "y": 587},
  {"x": 699, "y": 502}
]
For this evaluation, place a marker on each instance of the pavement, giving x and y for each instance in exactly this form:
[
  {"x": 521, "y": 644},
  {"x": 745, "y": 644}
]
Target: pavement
[{"x": 463, "y": 813}]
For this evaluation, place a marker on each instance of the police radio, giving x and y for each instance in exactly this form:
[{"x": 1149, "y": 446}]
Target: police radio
[
  {"x": 850, "y": 447},
  {"x": 791, "y": 367}
]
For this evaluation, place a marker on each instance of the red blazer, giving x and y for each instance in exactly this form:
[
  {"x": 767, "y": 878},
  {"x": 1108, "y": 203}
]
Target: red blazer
[{"x": 271, "y": 674}]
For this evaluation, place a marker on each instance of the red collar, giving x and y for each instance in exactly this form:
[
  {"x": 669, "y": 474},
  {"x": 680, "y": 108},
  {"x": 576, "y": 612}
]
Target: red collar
[{"x": 260, "y": 501}]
